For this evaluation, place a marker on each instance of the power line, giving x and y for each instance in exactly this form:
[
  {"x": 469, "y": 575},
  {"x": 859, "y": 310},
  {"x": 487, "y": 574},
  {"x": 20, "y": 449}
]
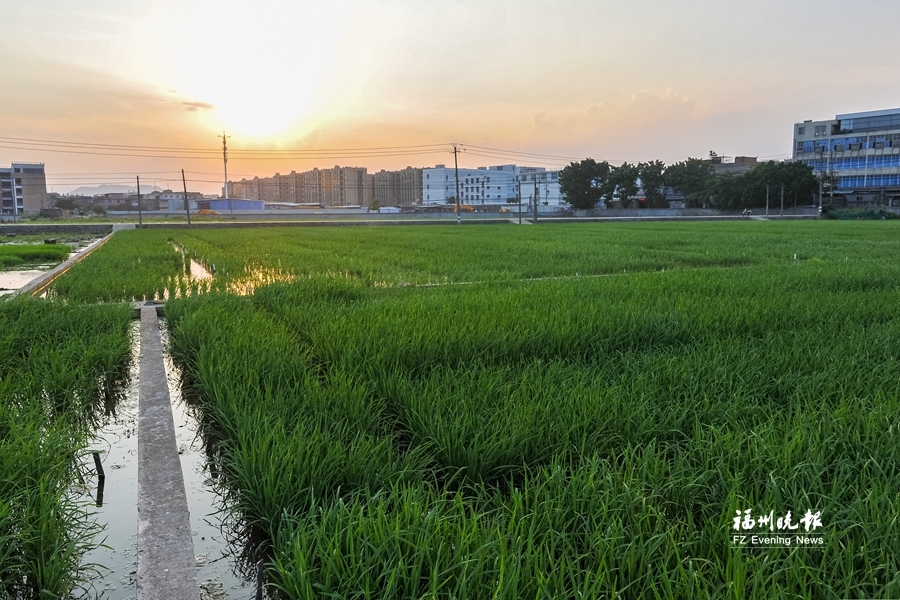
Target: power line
[
  {"x": 239, "y": 156},
  {"x": 213, "y": 150},
  {"x": 521, "y": 153}
]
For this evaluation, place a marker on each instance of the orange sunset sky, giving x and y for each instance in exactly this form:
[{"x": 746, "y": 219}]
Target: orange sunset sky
[{"x": 614, "y": 80}]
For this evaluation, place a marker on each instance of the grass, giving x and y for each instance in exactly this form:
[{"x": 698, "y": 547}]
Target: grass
[
  {"x": 59, "y": 370},
  {"x": 581, "y": 419},
  {"x": 14, "y": 255}
]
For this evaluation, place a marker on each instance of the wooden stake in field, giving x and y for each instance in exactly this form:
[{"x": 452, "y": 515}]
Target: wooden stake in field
[{"x": 187, "y": 207}]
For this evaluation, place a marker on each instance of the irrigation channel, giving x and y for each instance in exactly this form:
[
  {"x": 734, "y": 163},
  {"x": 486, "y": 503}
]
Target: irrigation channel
[
  {"x": 215, "y": 556},
  {"x": 13, "y": 280}
]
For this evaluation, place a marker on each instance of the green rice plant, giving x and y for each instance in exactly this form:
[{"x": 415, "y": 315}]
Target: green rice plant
[
  {"x": 132, "y": 265},
  {"x": 14, "y": 255},
  {"x": 700, "y": 395},
  {"x": 146, "y": 263},
  {"x": 56, "y": 364},
  {"x": 537, "y": 433}
]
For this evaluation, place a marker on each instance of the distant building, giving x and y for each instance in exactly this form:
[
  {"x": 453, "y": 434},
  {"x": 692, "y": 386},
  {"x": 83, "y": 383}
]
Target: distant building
[
  {"x": 499, "y": 184},
  {"x": 23, "y": 189},
  {"x": 726, "y": 165},
  {"x": 860, "y": 151},
  {"x": 174, "y": 201},
  {"x": 397, "y": 188},
  {"x": 338, "y": 186}
]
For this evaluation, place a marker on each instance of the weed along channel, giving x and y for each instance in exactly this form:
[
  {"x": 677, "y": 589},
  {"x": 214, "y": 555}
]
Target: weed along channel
[{"x": 602, "y": 410}]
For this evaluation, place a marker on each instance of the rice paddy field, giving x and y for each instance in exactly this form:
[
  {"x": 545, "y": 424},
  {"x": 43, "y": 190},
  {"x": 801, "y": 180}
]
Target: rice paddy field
[
  {"x": 13, "y": 255},
  {"x": 555, "y": 411},
  {"x": 60, "y": 369}
]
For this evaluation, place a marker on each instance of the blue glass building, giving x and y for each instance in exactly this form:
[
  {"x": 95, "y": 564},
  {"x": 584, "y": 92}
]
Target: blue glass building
[{"x": 860, "y": 152}]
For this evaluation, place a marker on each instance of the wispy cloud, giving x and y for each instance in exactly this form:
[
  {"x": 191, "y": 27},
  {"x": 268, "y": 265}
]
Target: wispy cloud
[{"x": 194, "y": 106}]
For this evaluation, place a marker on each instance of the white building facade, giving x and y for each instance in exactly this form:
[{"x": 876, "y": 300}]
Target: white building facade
[{"x": 499, "y": 184}]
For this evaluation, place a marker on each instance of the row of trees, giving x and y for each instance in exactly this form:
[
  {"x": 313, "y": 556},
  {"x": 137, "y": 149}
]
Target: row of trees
[{"x": 588, "y": 182}]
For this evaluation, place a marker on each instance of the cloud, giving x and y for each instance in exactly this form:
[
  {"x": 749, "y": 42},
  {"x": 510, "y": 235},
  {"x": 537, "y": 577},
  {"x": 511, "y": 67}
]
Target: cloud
[{"x": 193, "y": 106}]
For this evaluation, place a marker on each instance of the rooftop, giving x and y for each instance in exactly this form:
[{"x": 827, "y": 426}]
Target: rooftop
[{"x": 871, "y": 113}]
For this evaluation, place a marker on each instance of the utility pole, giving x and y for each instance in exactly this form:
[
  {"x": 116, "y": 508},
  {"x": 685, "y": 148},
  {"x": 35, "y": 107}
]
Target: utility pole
[
  {"x": 456, "y": 169},
  {"x": 140, "y": 215},
  {"x": 225, "y": 158},
  {"x": 821, "y": 180},
  {"x": 537, "y": 197},
  {"x": 831, "y": 178},
  {"x": 782, "y": 200},
  {"x": 767, "y": 201},
  {"x": 187, "y": 207},
  {"x": 519, "y": 197}
]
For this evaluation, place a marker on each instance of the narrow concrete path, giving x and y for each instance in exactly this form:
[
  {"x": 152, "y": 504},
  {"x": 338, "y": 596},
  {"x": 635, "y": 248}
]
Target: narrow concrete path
[
  {"x": 166, "y": 568},
  {"x": 39, "y": 285}
]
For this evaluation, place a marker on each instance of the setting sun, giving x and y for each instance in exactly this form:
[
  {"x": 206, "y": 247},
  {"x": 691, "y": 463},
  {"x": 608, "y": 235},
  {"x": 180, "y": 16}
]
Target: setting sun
[{"x": 247, "y": 71}]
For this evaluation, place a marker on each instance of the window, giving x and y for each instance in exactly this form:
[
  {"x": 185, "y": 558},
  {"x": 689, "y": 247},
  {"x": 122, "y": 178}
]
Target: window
[
  {"x": 801, "y": 131},
  {"x": 820, "y": 129}
]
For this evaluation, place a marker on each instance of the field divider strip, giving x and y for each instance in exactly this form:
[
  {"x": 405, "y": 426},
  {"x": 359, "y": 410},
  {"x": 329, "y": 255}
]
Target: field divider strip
[
  {"x": 39, "y": 285},
  {"x": 166, "y": 565}
]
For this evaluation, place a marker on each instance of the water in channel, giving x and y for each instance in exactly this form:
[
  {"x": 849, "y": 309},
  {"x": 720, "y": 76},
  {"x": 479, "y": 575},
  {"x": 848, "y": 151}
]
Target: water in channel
[{"x": 117, "y": 443}]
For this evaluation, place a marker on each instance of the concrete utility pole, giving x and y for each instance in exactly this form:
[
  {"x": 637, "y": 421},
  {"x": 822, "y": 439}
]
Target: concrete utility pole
[
  {"x": 140, "y": 215},
  {"x": 187, "y": 206},
  {"x": 456, "y": 169},
  {"x": 767, "y": 201},
  {"x": 831, "y": 178},
  {"x": 225, "y": 158},
  {"x": 537, "y": 197},
  {"x": 821, "y": 179},
  {"x": 782, "y": 200},
  {"x": 519, "y": 198}
]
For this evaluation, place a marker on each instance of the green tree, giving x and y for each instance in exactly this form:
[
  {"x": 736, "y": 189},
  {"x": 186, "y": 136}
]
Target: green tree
[
  {"x": 64, "y": 203},
  {"x": 730, "y": 191},
  {"x": 584, "y": 183},
  {"x": 653, "y": 180},
  {"x": 692, "y": 178},
  {"x": 748, "y": 190},
  {"x": 624, "y": 181},
  {"x": 375, "y": 204}
]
